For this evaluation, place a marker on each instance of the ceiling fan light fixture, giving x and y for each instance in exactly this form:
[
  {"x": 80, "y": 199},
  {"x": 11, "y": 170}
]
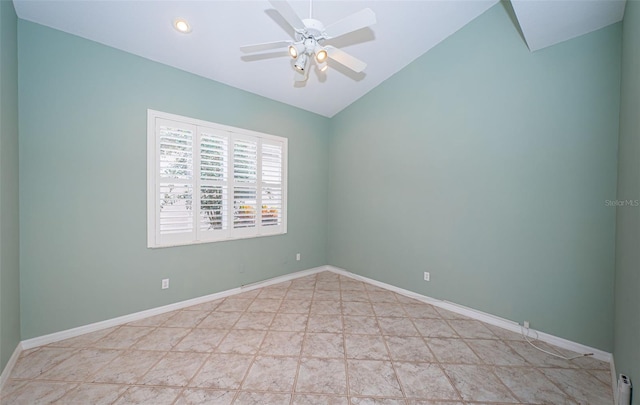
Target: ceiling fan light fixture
[
  {"x": 295, "y": 50},
  {"x": 321, "y": 54},
  {"x": 301, "y": 62},
  {"x": 181, "y": 25}
]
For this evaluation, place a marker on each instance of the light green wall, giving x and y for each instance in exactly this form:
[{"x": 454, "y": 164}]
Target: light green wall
[
  {"x": 627, "y": 319},
  {"x": 83, "y": 166},
  {"x": 488, "y": 166},
  {"x": 9, "y": 229}
]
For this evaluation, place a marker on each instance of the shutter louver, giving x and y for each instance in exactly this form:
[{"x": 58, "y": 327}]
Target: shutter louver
[
  {"x": 176, "y": 174},
  {"x": 272, "y": 204},
  {"x": 245, "y": 175},
  {"x": 213, "y": 182}
]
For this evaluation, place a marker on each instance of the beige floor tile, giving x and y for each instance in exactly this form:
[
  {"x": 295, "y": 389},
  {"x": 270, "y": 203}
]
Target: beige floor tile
[
  {"x": 538, "y": 358},
  {"x": 255, "y": 320},
  {"x": 295, "y": 306},
  {"x": 352, "y": 286},
  {"x": 205, "y": 397},
  {"x": 357, "y": 308},
  {"x": 434, "y": 328},
  {"x": 220, "y": 320},
  {"x": 307, "y": 399},
  {"x": 427, "y": 381},
  {"x": 328, "y": 345},
  {"x": 186, "y": 319},
  {"x": 128, "y": 367},
  {"x": 325, "y": 295},
  {"x": 123, "y": 337},
  {"x": 453, "y": 351},
  {"x": 32, "y": 364},
  {"x": 161, "y": 339},
  {"x": 580, "y": 385},
  {"x": 265, "y": 305},
  {"x": 451, "y": 315},
  {"x": 83, "y": 340},
  {"x": 389, "y": 309},
  {"x": 264, "y": 345},
  {"x": 376, "y": 401},
  {"x": 324, "y": 323},
  {"x": 262, "y": 398},
  {"x": 397, "y": 327},
  {"x": 175, "y": 369},
  {"x": 531, "y": 386},
  {"x": 231, "y": 304},
  {"x": 289, "y": 322},
  {"x": 328, "y": 285},
  {"x": 471, "y": 329},
  {"x": 373, "y": 378},
  {"x": 271, "y": 374},
  {"x": 365, "y": 347},
  {"x": 282, "y": 343},
  {"x": 242, "y": 342},
  {"x": 362, "y": 325},
  {"x": 354, "y": 296},
  {"x": 382, "y": 296},
  {"x": 156, "y": 320},
  {"x": 94, "y": 394},
  {"x": 205, "y": 306},
  {"x": 81, "y": 365},
  {"x": 326, "y": 308},
  {"x": 38, "y": 392},
  {"x": 478, "y": 383},
  {"x": 322, "y": 376},
  {"x": 409, "y": 348},
  {"x": 201, "y": 340},
  {"x": 299, "y": 295},
  {"x": 223, "y": 371},
  {"x": 277, "y": 293},
  {"x": 148, "y": 395},
  {"x": 496, "y": 352}
]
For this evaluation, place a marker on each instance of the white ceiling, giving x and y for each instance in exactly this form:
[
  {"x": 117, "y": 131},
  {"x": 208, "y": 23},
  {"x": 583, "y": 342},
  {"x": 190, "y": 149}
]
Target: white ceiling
[{"x": 404, "y": 31}]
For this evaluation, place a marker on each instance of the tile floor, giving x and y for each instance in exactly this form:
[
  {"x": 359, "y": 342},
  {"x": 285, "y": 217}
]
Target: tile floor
[{"x": 321, "y": 339}]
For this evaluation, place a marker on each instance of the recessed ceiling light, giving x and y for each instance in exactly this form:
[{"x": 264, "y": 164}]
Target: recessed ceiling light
[{"x": 182, "y": 25}]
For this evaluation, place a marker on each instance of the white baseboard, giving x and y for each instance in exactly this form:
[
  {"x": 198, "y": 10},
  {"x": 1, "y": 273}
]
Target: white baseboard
[
  {"x": 481, "y": 316},
  {"x": 8, "y": 368},
  {"x": 450, "y": 306},
  {"x": 93, "y": 327}
]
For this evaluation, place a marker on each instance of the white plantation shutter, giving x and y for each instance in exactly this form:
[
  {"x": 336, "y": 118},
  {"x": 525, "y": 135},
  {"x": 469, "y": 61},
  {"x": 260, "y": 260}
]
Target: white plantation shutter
[
  {"x": 175, "y": 181},
  {"x": 245, "y": 184},
  {"x": 213, "y": 187},
  {"x": 208, "y": 182},
  {"x": 272, "y": 198}
]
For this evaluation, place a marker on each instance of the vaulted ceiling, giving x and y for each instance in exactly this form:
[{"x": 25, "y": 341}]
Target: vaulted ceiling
[{"x": 404, "y": 31}]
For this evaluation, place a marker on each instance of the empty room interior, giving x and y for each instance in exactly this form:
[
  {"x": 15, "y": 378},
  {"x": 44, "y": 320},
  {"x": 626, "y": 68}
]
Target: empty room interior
[{"x": 387, "y": 202}]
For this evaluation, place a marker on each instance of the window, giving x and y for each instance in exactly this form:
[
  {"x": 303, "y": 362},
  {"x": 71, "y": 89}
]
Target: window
[{"x": 209, "y": 182}]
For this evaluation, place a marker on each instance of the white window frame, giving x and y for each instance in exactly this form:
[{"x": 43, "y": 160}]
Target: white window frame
[{"x": 197, "y": 236}]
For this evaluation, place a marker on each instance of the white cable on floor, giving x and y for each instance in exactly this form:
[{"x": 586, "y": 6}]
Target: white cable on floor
[{"x": 526, "y": 337}]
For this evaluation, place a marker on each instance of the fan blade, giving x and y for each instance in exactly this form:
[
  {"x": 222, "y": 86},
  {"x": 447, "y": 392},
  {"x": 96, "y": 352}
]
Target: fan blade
[
  {"x": 265, "y": 47},
  {"x": 354, "y": 22},
  {"x": 285, "y": 10},
  {"x": 345, "y": 59}
]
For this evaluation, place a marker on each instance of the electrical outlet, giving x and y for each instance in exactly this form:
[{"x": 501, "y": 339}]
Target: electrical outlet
[
  {"x": 298, "y": 256},
  {"x": 427, "y": 276},
  {"x": 165, "y": 283},
  {"x": 525, "y": 324}
]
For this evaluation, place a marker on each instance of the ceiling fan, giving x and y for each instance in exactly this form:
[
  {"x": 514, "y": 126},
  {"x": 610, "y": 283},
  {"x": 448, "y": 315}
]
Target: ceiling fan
[{"x": 310, "y": 34}]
